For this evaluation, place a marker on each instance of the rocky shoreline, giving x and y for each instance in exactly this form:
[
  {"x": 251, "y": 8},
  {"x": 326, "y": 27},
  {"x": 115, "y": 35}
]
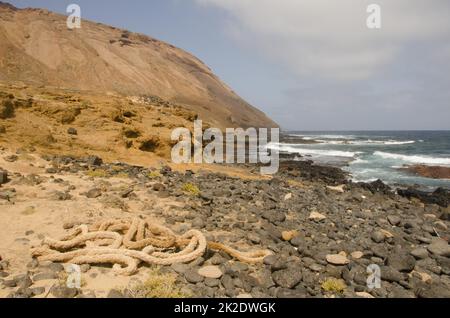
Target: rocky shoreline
[{"x": 323, "y": 231}]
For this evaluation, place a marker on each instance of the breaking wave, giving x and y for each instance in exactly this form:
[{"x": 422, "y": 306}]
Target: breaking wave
[
  {"x": 318, "y": 152},
  {"x": 414, "y": 158}
]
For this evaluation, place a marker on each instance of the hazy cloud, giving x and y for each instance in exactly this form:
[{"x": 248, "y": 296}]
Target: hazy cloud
[{"x": 329, "y": 38}]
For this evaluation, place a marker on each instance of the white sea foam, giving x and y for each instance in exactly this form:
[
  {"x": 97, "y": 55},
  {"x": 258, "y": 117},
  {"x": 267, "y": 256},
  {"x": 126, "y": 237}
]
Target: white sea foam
[
  {"x": 315, "y": 137},
  {"x": 399, "y": 142},
  {"x": 414, "y": 159},
  {"x": 359, "y": 161},
  {"x": 317, "y": 152},
  {"x": 368, "y": 142}
]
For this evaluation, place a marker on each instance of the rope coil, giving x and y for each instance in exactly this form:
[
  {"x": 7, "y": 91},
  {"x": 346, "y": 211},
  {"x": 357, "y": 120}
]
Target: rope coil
[{"x": 126, "y": 244}]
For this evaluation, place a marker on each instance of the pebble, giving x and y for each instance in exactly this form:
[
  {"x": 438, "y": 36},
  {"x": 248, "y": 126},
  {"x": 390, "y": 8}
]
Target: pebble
[
  {"x": 298, "y": 241},
  {"x": 420, "y": 253},
  {"x": 255, "y": 239},
  {"x": 94, "y": 193},
  {"x": 85, "y": 267},
  {"x": 338, "y": 189},
  {"x": 36, "y": 291},
  {"x": 439, "y": 225},
  {"x": 192, "y": 276},
  {"x": 391, "y": 275},
  {"x": 212, "y": 282},
  {"x": 217, "y": 259},
  {"x": 377, "y": 237},
  {"x": 270, "y": 259},
  {"x": 114, "y": 293},
  {"x": 317, "y": 217},
  {"x": 179, "y": 268},
  {"x": 401, "y": 261},
  {"x": 45, "y": 276},
  {"x": 210, "y": 271},
  {"x": 337, "y": 259},
  {"x": 287, "y": 278},
  {"x": 364, "y": 295},
  {"x": 357, "y": 254},
  {"x": 158, "y": 187},
  {"x": 62, "y": 291},
  {"x": 439, "y": 247},
  {"x": 288, "y": 235},
  {"x": 9, "y": 283},
  {"x": 394, "y": 220},
  {"x": 56, "y": 267}
]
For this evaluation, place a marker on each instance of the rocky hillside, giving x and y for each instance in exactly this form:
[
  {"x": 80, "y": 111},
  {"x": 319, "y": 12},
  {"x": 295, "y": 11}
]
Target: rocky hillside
[{"x": 37, "y": 48}]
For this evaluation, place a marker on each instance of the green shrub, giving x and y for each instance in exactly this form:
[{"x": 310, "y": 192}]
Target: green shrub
[
  {"x": 191, "y": 189},
  {"x": 334, "y": 285}
]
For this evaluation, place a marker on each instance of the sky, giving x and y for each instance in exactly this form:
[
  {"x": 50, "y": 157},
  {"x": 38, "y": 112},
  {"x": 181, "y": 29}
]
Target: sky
[{"x": 308, "y": 64}]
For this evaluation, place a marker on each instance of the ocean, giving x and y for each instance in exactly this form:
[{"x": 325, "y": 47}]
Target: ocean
[{"x": 372, "y": 155}]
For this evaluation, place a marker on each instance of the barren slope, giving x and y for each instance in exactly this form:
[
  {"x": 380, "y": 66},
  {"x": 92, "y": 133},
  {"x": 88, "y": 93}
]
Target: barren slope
[{"x": 37, "y": 48}]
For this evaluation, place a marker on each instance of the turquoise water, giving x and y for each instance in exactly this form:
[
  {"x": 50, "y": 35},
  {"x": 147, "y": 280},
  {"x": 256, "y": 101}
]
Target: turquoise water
[{"x": 371, "y": 155}]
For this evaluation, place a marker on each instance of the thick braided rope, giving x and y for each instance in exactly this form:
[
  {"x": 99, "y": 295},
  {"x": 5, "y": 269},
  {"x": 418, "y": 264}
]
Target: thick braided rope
[{"x": 126, "y": 244}]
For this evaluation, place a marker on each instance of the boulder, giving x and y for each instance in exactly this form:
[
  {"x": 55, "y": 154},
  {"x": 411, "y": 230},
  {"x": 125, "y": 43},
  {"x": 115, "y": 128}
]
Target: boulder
[{"x": 210, "y": 272}]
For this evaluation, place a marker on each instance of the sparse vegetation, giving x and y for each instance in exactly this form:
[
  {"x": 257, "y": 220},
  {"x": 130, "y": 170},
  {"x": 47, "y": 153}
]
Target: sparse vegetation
[
  {"x": 6, "y": 109},
  {"x": 29, "y": 210},
  {"x": 131, "y": 133},
  {"x": 158, "y": 285},
  {"x": 98, "y": 173},
  {"x": 154, "y": 174},
  {"x": 122, "y": 175},
  {"x": 334, "y": 285},
  {"x": 149, "y": 144},
  {"x": 191, "y": 189}
]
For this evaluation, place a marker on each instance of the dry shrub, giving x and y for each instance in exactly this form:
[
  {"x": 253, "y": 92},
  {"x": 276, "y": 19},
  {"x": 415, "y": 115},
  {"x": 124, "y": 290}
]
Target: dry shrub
[
  {"x": 157, "y": 285},
  {"x": 149, "y": 144},
  {"x": 6, "y": 109}
]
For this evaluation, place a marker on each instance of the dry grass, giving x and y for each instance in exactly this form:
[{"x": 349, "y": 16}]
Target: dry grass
[
  {"x": 122, "y": 175},
  {"x": 99, "y": 173},
  {"x": 153, "y": 174},
  {"x": 191, "y": 189},
  {"x": 29, "y": 210},
  {"x": 158, "y": 285}
]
